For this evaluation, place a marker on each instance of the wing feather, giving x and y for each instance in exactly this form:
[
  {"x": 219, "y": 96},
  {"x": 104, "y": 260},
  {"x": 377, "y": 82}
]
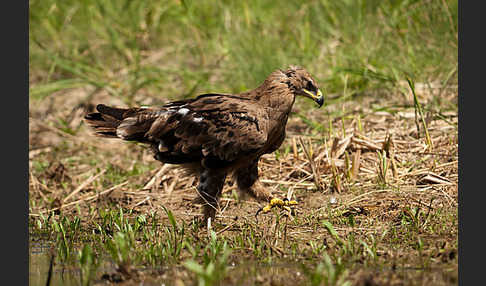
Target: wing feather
[{"x": 213, "y": 125}]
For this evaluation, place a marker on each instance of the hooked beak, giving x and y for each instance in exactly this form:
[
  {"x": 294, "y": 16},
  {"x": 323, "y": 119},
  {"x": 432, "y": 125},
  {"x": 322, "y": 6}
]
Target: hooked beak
[{"x": 318, "y": 97}]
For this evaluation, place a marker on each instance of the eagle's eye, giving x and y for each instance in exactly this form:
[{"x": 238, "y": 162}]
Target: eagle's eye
[{"x": 310, "y": 86}]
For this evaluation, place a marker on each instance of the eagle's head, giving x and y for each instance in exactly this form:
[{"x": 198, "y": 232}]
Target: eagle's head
[{"x": 303, "y": 84}]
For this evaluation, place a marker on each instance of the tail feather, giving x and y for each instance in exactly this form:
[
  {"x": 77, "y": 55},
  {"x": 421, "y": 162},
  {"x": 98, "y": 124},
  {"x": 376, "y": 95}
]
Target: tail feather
[
  {"x": 103, "y": 125},
  {"x": 117, "y": 113},
  {"x": 115, "y": 122}
]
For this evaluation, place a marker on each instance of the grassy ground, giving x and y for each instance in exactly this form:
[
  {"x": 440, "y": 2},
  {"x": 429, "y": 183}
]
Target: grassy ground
[{"x": 374, "y": 170}]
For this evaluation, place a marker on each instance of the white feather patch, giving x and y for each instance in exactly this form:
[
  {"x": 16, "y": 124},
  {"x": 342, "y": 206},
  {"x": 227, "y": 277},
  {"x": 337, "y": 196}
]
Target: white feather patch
[
  {"x": 197, "y": 119},
  {"x": 121, "y": 133},
  {"x": 162, "y": 147},
  {"x": 183, "y": 111}
]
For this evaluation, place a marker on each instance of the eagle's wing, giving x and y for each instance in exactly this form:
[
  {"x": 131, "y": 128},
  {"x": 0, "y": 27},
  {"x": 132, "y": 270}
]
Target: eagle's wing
[{"x": 212, "y": 125}]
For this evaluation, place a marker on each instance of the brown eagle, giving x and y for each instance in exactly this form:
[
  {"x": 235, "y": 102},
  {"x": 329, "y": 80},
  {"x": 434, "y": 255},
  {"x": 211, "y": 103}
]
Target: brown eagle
[{"x": 215, "y": 135}]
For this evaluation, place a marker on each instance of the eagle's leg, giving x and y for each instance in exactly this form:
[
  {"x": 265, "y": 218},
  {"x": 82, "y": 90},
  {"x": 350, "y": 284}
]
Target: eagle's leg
[
  {"x": 210, "y": 186},
  {"x": 247, "y": 180}
]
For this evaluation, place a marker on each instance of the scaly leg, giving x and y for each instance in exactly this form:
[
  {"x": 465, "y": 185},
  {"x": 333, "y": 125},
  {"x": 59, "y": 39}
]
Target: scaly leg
[{"x": 247, "y": 180}]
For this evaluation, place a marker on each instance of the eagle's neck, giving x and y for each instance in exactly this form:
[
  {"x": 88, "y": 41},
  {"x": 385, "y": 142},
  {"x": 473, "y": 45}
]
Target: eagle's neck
[{"x": 276, "y": 95}]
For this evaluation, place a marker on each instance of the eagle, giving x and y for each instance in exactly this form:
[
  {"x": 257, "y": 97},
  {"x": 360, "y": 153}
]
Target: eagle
[{"x": 215, "y": 135}]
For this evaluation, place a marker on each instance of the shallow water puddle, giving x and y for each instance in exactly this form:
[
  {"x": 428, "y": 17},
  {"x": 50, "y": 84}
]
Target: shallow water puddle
[
  {"x": 280, "y": 271},
  {"x": 39, "y": 263}
]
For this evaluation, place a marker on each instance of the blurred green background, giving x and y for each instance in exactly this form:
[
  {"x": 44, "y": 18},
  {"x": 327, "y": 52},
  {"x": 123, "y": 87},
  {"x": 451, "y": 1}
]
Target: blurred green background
[{"x": 175, "y": 49}]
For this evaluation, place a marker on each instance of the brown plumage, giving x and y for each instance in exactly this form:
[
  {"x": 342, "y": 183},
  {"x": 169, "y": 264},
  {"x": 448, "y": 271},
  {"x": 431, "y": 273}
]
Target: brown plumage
[{"x": 215, "y": 134}]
